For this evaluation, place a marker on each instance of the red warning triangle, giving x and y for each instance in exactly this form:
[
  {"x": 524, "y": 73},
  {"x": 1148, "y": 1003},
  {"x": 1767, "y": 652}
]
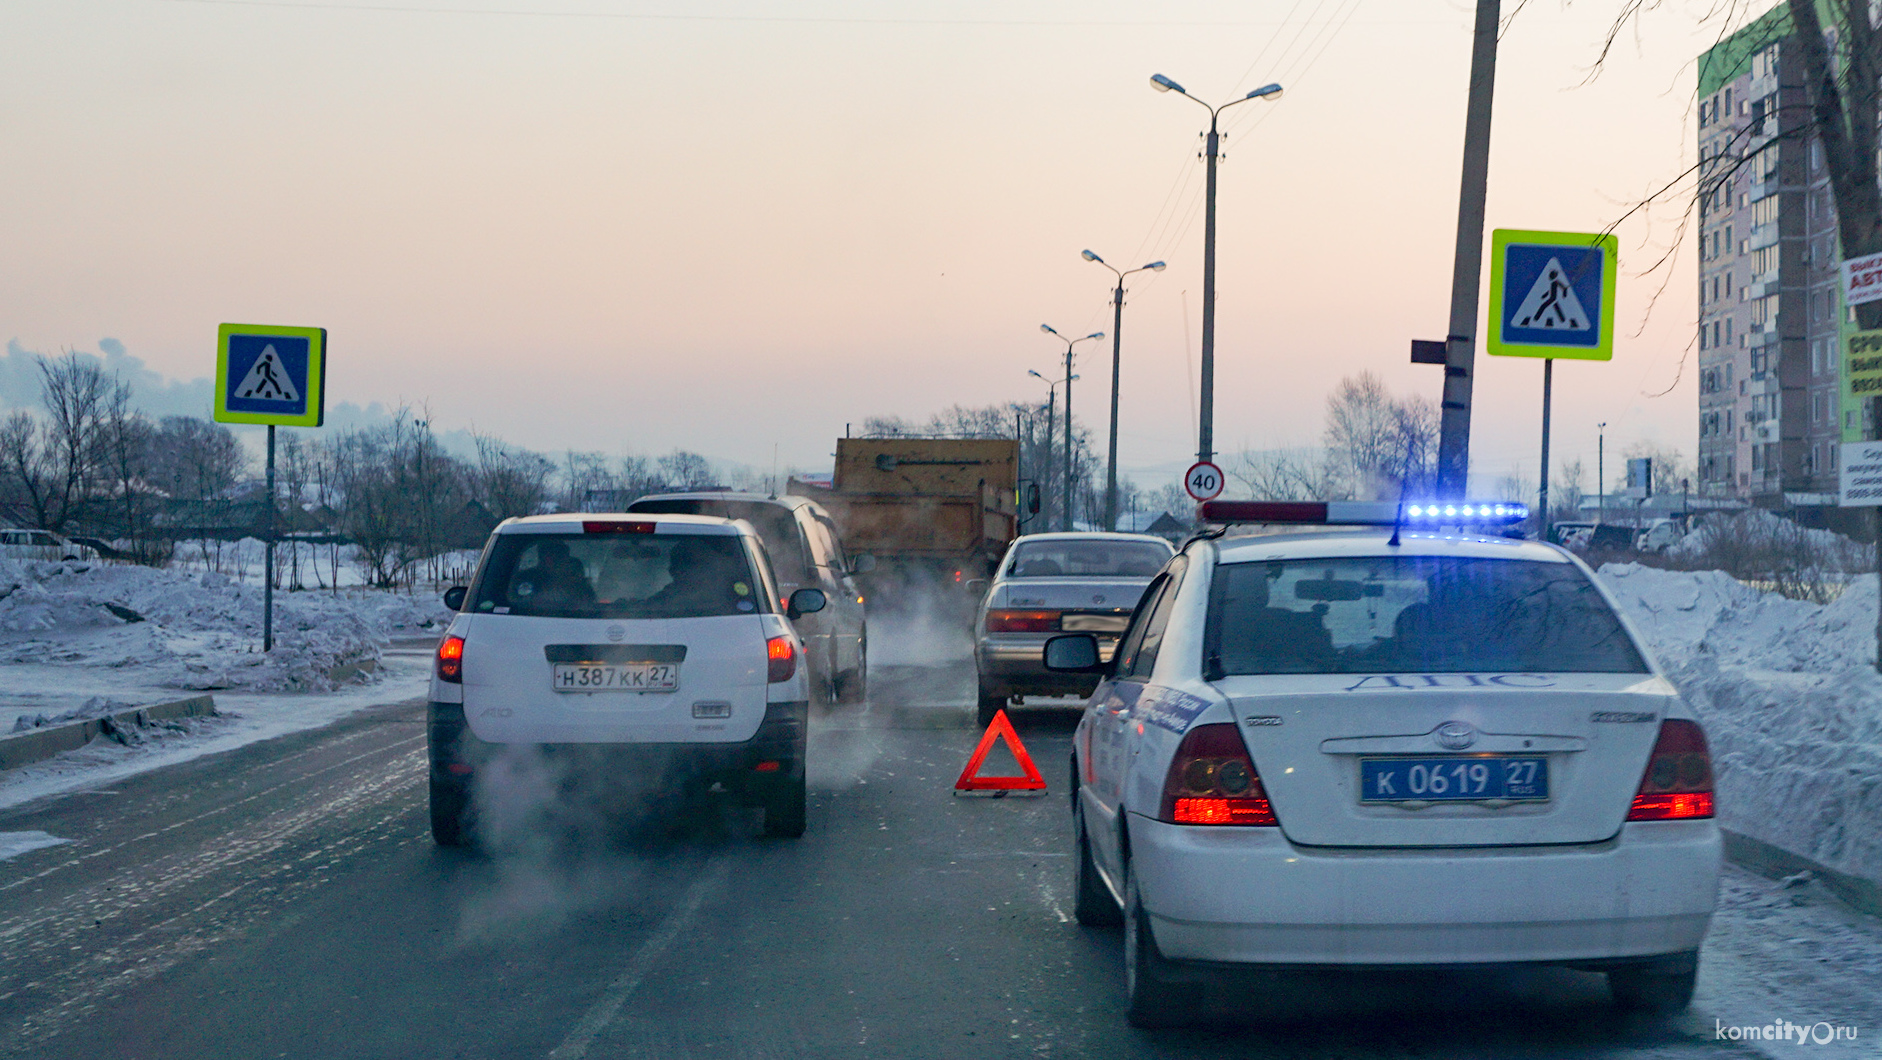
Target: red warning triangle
[{"x": 1003, "y": 729}]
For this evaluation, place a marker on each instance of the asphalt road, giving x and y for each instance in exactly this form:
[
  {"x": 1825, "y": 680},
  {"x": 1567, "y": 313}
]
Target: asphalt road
[{"x": 286, "y": 900}]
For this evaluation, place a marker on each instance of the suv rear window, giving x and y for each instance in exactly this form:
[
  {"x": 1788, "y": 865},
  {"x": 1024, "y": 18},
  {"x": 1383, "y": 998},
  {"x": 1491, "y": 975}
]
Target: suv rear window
[
  {"x": 1088, "y": 559},
  {"x": 1412, "y": 614},
  {"x": 774, "y": 523},
  {"x": 617, "y": 576}
]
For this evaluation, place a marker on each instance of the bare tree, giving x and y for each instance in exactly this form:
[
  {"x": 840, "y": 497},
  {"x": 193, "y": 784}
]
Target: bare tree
[
  {"x": 76, "y": 392},
  {"x": 1284, "y": 475},
  {"x": 1565, "y": 493},
  {"x": 507, "y": 480},
  {"x": 1379, "y": 446},
  {"x": 686, "y": 470},
  {"x": 27, "y": 474}
]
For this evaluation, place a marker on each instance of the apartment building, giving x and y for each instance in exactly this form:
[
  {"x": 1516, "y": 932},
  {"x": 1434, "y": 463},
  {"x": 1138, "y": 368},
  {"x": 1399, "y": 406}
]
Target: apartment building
[{"x": 1770, "y": 306}]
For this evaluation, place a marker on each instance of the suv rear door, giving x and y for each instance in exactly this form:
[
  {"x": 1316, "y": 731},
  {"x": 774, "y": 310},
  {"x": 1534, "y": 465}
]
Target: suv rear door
[{"x": 584, "y": 633}]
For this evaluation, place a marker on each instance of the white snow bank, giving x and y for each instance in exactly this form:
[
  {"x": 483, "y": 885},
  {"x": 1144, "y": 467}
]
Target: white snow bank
[
  {"x": 169, "y": 629},
  {"x": 13, "y": 844},
  {"x": 1790, "y": 699}
]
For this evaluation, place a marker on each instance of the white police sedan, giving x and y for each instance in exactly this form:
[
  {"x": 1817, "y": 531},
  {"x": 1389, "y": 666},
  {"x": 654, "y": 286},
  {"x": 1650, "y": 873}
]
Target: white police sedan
[{"x": 1387, "y": 748}]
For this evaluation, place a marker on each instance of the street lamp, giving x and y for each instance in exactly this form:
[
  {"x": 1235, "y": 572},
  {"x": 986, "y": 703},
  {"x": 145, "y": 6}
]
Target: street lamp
[
  {"x": 1117, "y": 339},
  {"x": 1052, "y": 404},
  {"x": 1205, "y": 440},
  {"x": 1065, "y": 517}
]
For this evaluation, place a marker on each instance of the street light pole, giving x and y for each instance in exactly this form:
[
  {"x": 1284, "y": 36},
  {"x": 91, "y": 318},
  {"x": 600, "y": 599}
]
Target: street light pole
[
  {"x": 1117, "y": 340},
  {"x": 1205, "y": 434},
  {"x": 1065, "y": 514}
]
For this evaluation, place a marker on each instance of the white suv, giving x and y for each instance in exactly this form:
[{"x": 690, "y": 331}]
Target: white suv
[{"x": 651, "y": 640}]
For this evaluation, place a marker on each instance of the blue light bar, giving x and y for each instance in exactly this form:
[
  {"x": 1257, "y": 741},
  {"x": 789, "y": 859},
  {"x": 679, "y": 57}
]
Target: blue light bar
[{"x": 1366, "y": 513}]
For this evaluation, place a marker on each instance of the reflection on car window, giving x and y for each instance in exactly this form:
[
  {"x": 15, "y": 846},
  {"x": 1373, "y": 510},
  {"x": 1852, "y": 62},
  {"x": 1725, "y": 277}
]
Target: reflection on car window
[
  {"x": 1413, "y": 614},
  {"x": 617, "y": 576},
  {"x": 774, "y": 522},
  {"x": 1087, "y": 559}
]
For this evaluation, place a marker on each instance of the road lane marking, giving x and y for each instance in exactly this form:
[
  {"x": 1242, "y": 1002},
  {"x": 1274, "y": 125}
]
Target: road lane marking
[{"x": 582, "y": 1035}]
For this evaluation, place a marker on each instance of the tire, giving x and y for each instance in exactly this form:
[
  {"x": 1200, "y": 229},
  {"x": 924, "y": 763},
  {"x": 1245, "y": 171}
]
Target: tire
[
  {"x": 1654, "y": 989},
  {"x": 785, "y": 810},
  {"x": 1151, "y": 999},
  {"x": 853, "y": 688},
  {"x": 1092, "y": 904},
  {"x": 450, "y": 813},
  {"x": 988, "y": 707}
]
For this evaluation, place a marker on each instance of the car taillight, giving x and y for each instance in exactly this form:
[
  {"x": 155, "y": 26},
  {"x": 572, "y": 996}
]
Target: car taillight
[
  {"x": 451, "y": 660},
  {"x": 1022, "y": 622},
  {"x": 1678, "y": 781},
  {"x": 1213, "y": 781},
  {"x": 782, "y": 659}
]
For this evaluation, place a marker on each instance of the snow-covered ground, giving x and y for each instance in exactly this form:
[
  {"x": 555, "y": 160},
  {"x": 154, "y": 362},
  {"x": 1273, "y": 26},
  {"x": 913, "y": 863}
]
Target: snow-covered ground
[
  {"x": 246, "y": 717},
  {"x": 71, "y": 631},
  {"x": 1790, "y": 699}
]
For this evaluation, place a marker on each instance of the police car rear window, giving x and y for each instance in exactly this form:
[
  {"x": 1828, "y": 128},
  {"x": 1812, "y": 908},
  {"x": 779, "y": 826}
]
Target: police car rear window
[
  {"x": 1412, "y": 614},
  {"x": 617, "y": 576}
]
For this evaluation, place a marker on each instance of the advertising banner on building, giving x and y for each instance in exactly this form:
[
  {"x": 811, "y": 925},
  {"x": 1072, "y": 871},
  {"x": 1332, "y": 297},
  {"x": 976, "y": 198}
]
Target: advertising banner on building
[
  {"x": 1862, "y": 378},
  {"x": 1860, "y": 475},
  {"x": 1862, "y": 279}
]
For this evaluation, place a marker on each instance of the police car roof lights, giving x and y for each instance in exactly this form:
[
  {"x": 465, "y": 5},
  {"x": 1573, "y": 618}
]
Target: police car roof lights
[{"x": 1366, "y": 513}]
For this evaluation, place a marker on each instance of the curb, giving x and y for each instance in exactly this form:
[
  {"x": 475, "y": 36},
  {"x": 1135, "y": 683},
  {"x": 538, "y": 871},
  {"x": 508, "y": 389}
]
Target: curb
[
  {"x": 1858, "y": 892},
  {"x": 37, "y": 745}
]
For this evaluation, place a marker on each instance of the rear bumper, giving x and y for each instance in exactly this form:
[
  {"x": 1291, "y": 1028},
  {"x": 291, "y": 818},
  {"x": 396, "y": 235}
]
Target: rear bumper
[
  {"x": 1248, "y": 896},
  {"x": 1013, "y": 664},
  {"x": 456, "y": 752}
]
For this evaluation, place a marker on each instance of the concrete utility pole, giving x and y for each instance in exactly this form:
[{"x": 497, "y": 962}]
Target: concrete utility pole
[
  {"x": 1205, "y": 433},
  {"x": 1117, "y": 341},
  {"x": 1065, "y": 514},
  {"x": 1467, "y": 270}
]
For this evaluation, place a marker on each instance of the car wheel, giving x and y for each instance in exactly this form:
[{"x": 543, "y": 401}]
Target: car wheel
[
  {"x": 450, "y": 813},
  {"x": 853, "y": 687},
  {"x": 785, "y": 810},
  {"x": 1653, "y": 989},
  {"x": 989, "y": 706},
  {"x": 1092, "y": 904},
  {"x": 1152, "y": 1000}
]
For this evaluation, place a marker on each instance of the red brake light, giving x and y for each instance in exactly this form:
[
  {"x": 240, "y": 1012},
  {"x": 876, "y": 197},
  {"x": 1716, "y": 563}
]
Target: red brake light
[
  {"x": 1678, "y": 782},
  {"x": 616, "y": 526},
  {"x": 1022, "y": 622},
  {"x": 451, "y": 660},
  {"x": 781, "y": 659},
  {"x": 1213, "y": 781}
]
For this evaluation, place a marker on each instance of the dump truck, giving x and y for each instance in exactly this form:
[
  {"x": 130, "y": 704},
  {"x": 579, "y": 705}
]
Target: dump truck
[{"x": 936, "y": 513}]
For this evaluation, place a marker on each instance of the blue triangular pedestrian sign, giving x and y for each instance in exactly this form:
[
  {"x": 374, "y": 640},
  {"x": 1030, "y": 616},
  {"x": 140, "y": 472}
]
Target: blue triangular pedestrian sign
[
  {"x": 1551, "y": 303},
  {"x": 267, "y": 380}
]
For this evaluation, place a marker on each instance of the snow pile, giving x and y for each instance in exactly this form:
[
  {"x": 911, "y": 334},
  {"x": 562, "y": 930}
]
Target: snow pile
[
  {"x": 1791, "y": 702},
  {"x": 95, "y": 707},
  {"x": 193, "y": 630}
]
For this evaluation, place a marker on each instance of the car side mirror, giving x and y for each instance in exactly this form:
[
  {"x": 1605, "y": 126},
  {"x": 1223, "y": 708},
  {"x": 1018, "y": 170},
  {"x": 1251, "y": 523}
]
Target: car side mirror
[
  {"x": 1032, "y": 499},
  {"x": 805, "y": 602},
  {"x": 454, "y": 597},
  {"x": 976, "y": 586},
  {"x": 862, "y": 564},
  {"x": 1074, "y": 653}
]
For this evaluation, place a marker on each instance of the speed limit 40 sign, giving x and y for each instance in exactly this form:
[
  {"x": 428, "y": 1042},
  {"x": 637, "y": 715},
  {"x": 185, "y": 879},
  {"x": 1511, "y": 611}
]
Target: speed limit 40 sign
[{"x": 1203, "y": 480}]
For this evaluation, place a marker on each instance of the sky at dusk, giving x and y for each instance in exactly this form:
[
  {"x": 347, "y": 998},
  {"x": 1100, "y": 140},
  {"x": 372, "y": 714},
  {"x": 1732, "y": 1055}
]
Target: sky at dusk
[{"x": 735, "y": 227}]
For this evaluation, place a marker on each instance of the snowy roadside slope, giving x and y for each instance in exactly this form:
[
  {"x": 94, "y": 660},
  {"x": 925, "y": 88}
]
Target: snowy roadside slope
[
  {"x": 1790, "y": 699},
  {"x": 168, "y": 629}
]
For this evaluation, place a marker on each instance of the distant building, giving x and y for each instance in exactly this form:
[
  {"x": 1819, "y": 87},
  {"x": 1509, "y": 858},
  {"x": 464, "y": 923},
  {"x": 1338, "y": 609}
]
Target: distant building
[{"x": 1770, "y": 306}]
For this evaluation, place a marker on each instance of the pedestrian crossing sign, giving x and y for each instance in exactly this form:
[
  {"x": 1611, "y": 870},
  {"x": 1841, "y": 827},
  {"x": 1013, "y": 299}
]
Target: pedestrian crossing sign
[
  {"x": 271, "y": 375},
  {"x": 1552, "y": 294}
]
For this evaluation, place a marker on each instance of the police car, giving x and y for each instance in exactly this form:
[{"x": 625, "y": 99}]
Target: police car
[
  {"x": 1387, "y": 746},
  {"x": 633, "y": 648}
]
